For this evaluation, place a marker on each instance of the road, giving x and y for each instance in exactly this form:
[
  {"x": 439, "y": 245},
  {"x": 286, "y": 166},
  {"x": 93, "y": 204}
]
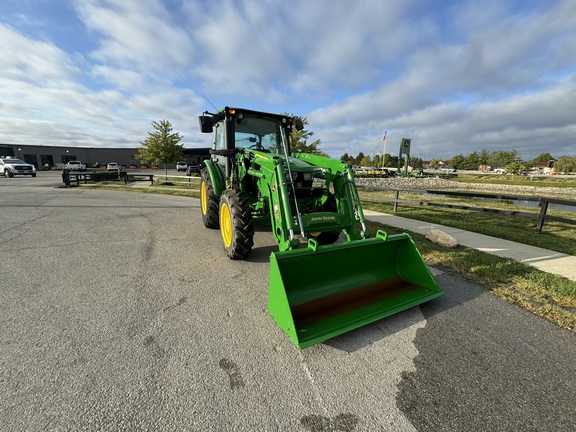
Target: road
[{"x": 120, "y": 311}]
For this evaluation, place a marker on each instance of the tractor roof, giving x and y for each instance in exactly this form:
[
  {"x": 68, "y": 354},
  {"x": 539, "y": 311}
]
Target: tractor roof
[{"x": 218, "y": 116}]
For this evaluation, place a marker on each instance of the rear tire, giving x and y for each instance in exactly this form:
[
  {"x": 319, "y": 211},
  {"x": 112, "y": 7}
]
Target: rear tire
[
  {"x": 208, "y": 201},
  {"x": 236, "y": 224}
]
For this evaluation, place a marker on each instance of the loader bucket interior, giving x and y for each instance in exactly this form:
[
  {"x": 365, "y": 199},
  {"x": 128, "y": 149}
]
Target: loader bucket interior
[{"x": 320, "y": 292}]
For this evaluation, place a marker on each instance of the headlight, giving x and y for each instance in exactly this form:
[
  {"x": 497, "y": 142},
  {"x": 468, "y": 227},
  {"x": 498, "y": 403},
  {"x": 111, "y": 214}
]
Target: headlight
[
  {"x": 294, "y": 174},
  {"x": 308, "y": 176}
]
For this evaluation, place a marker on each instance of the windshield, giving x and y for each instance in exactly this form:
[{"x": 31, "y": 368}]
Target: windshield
[
  {"x": 12, "y": 161},
  {"x": 259, "y": 133}
]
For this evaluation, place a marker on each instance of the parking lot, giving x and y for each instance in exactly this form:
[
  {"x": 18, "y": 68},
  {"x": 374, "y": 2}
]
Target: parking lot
[{"x": 120, "y": 311}]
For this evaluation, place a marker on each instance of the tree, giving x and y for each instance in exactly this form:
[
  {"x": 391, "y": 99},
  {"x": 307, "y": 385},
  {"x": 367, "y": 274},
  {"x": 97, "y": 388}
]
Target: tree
[
  {"x": 503, "y": 158},
  {"x": 161, "y": 146},
  {"x": 390, "y": 161},
  {"x": 457, "y": 161},
  {"x": 483, "y": 157},
  {"x": 365, "y": 161},
  {"x": 345, "y": 158},
  {"x": 565, "y": 164},
  {"x": 300, "y": 140},
  {"x": 544, "y": 157},
  {"x": 358, "y": 158},
  {"x": 417, "y": 163},
  {"x": 472, "y": 161},
  {"x": 516, "y": 167}
]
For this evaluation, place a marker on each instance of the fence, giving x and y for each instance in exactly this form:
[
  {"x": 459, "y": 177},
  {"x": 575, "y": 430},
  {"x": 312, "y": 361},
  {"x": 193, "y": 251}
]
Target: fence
[
  {"x": 187, "y": 180},
  {"x": 541, "y": 216}
]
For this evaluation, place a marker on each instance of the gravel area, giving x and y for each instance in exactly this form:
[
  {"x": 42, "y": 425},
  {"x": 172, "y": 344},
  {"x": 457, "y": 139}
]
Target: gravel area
[{"x": 436, "y": 183}]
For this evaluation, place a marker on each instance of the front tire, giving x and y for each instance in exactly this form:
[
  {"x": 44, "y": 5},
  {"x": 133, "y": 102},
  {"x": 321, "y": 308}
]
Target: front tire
[
  {"x": 208, "y": 201},
  {"x": 236, "y": 224},
  {"x": 9, "y": 173}
]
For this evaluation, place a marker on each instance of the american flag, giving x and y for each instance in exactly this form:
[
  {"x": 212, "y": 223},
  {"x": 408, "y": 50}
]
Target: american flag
[{"x": 384, "y": 136}]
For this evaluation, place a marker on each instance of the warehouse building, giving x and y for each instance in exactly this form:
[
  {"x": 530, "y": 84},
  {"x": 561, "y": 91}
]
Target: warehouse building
[{"x": 57, "y": 157}]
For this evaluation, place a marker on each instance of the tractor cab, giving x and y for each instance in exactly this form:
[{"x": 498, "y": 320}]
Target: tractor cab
[{"x": 241, "y": 128}]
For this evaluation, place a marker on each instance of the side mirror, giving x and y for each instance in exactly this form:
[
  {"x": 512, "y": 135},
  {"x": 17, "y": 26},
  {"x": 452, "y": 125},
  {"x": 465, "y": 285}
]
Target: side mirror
[{"x": 205, "y": 124}]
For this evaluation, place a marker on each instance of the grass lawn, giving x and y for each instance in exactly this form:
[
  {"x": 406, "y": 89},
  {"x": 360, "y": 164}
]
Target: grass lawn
[{"x": 556, "y": 236}]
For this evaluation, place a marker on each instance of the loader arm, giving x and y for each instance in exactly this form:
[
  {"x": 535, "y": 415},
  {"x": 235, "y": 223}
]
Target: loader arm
[
  {"x": 272, "y": 186},
  {"x": 341, "y": 177}
]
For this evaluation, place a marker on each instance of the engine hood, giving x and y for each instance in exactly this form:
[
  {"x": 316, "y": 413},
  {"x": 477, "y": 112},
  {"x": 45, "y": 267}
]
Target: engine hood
[{"x": 299, "y": 165}]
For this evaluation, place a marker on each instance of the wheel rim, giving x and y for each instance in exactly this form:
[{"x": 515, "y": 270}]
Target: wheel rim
[
  {"x": 203, "y": 198},
  {"x": 226, "y": 224}
]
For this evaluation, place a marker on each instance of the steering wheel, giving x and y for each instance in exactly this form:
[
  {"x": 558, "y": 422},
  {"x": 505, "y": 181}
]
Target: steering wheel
[{"x": 259, "y": 147}]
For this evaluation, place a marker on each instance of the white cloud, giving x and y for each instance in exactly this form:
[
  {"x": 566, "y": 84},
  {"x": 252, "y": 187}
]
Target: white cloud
[
  {"x": 136, "y": 33},
  {"x": 33, "y": 61}
]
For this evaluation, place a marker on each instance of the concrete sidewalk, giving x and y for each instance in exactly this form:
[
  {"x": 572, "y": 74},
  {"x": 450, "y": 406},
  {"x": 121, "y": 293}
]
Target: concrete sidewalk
[{"x": 543, "y": 259}]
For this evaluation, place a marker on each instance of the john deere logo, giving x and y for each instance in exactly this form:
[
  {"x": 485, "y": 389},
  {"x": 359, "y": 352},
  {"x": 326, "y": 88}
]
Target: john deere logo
[{"x": 322, "y": 218}]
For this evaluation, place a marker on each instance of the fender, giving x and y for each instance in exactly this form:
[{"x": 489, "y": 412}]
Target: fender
[{"x": 216, "y": 176}]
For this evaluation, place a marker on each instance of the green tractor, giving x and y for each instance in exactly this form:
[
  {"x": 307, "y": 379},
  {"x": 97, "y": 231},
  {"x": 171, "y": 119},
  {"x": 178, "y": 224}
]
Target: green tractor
[{"x": 329, "y": 275}]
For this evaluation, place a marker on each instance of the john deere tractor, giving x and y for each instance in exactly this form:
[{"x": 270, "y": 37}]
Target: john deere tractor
[{"x": 329, "y": 275}]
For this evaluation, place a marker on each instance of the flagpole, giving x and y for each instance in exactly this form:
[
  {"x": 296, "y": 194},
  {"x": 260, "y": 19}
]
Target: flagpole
[{"x": 384, "y": 140}]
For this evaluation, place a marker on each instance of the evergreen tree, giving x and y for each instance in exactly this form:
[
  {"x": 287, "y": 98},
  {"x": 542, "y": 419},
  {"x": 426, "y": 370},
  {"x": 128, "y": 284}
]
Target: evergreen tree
[{"x": 457, "y": 162}]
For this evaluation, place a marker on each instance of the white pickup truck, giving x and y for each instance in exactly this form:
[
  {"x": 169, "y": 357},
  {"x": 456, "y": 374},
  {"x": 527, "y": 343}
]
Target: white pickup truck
[
  {"x": 10, "y": 167},
  {"x": 76, "y": 166}
]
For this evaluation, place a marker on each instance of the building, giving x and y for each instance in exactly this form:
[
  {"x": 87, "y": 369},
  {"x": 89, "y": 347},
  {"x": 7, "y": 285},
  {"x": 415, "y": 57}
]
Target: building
[
  {"x": 544, "y": 167},
  {"x": 57, "y": 157}
]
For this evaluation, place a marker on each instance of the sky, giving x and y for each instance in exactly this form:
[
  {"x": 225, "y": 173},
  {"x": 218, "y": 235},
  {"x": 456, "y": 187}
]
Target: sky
[{"x": 453, "y": 76}]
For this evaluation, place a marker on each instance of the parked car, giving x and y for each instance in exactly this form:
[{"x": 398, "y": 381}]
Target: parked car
[
  {"x": 447, "y": 169},
  {"x": 75, "y": 166},
  {"x": 113, "y": 166},
  {"x": 10, "y": 167},
  {"x": 181, "y": 166},
  {"x": 192, "y": 169}
]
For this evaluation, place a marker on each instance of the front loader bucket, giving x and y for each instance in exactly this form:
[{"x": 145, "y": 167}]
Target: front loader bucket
[{"x": 319, "y": 292}]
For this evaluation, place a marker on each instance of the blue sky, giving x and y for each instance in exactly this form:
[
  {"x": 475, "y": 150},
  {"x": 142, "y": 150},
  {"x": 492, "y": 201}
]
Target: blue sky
[{"x": 454, "y": 76}]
